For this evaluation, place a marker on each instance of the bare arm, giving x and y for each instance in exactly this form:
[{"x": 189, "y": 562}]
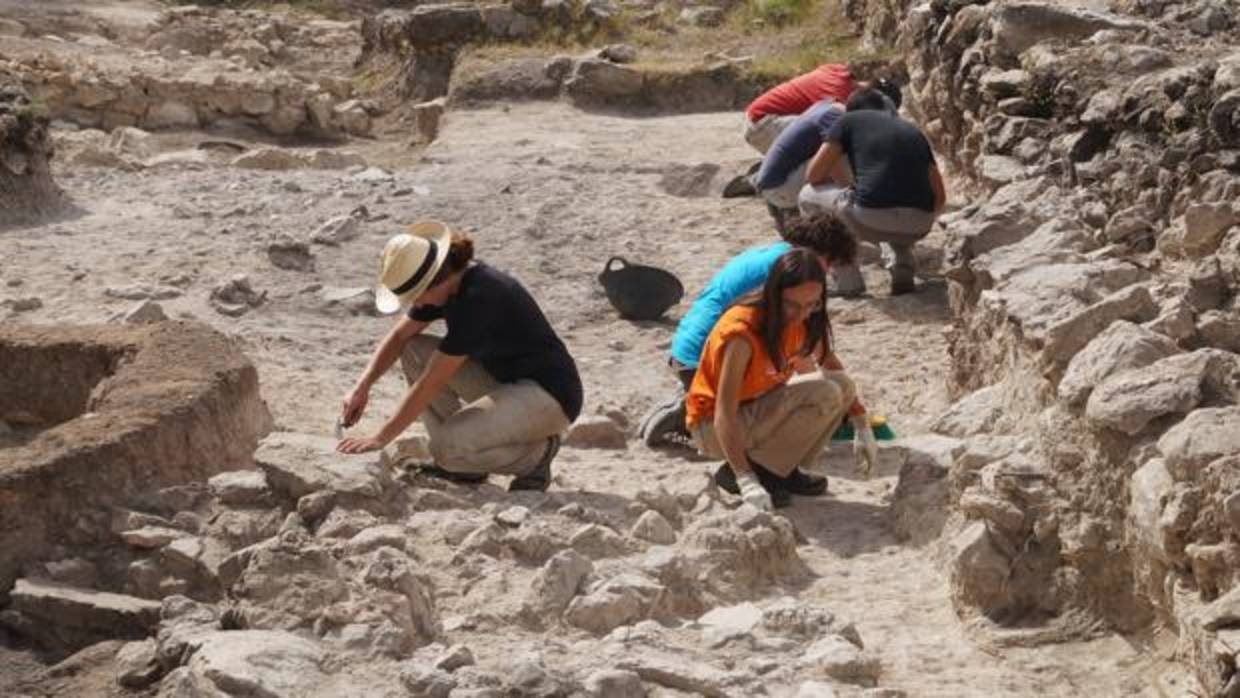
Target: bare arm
[
  {"x": 439, "y": 370},
  {"x": 936, "y": 185},
  {"x": 736, "y": 356},
  {"x": 823, "y": 163},
  {"x": 385, "y": 355}
]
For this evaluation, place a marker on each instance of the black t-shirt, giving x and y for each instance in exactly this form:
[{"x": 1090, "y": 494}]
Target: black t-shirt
[
  {"x": 890, "y": 159},
  {"x": 493, "y": 320}
]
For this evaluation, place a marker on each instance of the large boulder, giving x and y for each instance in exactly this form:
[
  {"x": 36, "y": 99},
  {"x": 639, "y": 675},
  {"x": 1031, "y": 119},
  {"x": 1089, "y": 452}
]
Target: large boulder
[{"x": 1120, "y": 347}]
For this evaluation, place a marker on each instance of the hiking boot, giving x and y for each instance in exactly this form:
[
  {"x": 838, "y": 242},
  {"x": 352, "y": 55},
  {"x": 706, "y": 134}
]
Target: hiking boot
[
  {"x": 441, "y": 474},
  {"x": 540, "y": 477},
  {"x": 805, "y": 484},
  {"x": 726, "y": 480},
  {"x": 665, "y": 426}
]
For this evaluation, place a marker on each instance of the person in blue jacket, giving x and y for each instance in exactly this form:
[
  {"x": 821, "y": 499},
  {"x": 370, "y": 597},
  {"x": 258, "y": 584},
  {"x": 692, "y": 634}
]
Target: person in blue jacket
[{"x": 742, "y": 275}]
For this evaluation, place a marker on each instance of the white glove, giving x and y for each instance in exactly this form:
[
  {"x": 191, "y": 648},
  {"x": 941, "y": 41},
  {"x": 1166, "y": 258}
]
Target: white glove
[
  {"x": 752, "y": 491},
  {"x": 865, "y": 448}
]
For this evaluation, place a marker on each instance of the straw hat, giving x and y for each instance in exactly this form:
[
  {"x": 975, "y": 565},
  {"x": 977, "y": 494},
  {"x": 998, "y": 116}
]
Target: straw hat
[{"x": 408, "y": 264}]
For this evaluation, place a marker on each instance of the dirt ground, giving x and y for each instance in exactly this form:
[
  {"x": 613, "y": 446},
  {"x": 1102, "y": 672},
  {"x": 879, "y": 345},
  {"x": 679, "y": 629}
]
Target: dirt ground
[{"x": 551, "y": 193}]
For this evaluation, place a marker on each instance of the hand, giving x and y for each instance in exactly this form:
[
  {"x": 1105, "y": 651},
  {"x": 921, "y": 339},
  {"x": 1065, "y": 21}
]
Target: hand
[
  {"x": 752, "y": 491},
  {"x": 865, "y": 448},
  {"x": 354, "y": 405},
  {"x": 360, "y": 444}
]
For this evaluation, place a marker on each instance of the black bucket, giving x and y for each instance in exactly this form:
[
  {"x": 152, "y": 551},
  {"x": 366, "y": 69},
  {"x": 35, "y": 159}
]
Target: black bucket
[{"x": 639, "y": 292}]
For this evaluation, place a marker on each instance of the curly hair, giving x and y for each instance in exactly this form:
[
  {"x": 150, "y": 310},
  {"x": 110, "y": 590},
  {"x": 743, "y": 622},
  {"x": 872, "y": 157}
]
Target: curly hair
[{"x": 824, "y": 234}]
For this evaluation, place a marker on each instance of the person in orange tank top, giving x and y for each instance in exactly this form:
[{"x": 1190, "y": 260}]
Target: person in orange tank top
[{"x": 764, "y": 398}]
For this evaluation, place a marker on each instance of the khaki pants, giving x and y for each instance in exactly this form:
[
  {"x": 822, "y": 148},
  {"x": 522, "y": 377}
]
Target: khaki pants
[
  {"x": 790, "y": 425},
  {"x": 479, "y": 425},
  {"x": 762, "y": 133}
]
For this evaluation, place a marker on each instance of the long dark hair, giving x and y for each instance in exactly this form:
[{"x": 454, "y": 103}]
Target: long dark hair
[{"x": 793, "y": 268}]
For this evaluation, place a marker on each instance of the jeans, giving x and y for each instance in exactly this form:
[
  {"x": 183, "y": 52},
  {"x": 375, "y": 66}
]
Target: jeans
[{"x": 762, "y": 133}]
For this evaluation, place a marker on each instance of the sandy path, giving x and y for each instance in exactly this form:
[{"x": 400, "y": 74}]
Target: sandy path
[{"x": 552, "y": 193}]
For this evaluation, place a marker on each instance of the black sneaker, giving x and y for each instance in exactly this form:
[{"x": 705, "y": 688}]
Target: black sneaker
[
  {"x": 665, "y": 426},
  {"x": 464, "y": 478},
  {"x": 738, "y": 186},
  {"x": 805, "y": 484},
  {"x": 540, "y": 477}
]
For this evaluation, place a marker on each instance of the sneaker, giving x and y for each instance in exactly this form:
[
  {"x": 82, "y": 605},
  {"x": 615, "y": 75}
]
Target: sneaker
[
  {"x": 464, "y": 478},
  {"x": 664, "y": 424},
  {"x": 740, "y": 185},
  {"x": 805, "y": 484},
  {"x": 540, "y": 477}
]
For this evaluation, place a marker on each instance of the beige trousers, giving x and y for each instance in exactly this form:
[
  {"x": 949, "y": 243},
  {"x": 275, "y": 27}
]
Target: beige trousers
[
  {"x": 790, "y": 425},
  {"x": 762, "y": 133},
  {"x": 479, "y": 425}
]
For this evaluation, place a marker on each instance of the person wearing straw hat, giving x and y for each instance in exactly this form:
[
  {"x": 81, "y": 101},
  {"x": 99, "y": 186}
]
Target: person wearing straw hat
[{"x": 496, "y": 391}]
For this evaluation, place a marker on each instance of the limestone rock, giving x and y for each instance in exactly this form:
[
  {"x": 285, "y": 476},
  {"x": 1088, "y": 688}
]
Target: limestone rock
[
  {"x": 975, "y": 413},
  {"x": 721, "y": 625},
  {"x": 375, "y": 537},
  {"x": 137, "y": 664},
  {"x": 145, "y": 312},
  {"x": 979, "y": 570},
  {"x": 299, "y": 464},
  {"x": 595, "y": 432},
  {"x": 240, "y": 487},
  {"x": 652, "y": 527},
  {"x": 624, "y": 599},
  {"x": 69, "y": 618},
  {"x": 236, "y": 297},
  {"x": 558, "y": 581},
  {"x": 427, "y": 117},
  {"x": 1120, "y": 347},
  {"x": 596, "y": 541},
  {"x": 256, "y": 663},
  {"x": 151, "y": 536},
  {"x": 338, "y": 230},
  {"x": 1151, "y": 486},
  {"x": 287, "y": 252},
  {"x": 454, "y": 658},
  {"x": 1204, "y": 226},
  {"x": 840, "y": 659},
  {"x": 1221, "y": 330},
  {"x": 1067, "y": 337},
  {"x": 614, "y": 683},
  {"x": 1128, "y": 401},
  {"x": 679, "y": 675},
  {"x": 1204, "y": 436},
  {"x": 594, "y": 80}
]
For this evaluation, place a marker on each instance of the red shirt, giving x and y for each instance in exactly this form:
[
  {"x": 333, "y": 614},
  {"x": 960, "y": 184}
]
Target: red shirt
[{"x": 796, "y": 95}]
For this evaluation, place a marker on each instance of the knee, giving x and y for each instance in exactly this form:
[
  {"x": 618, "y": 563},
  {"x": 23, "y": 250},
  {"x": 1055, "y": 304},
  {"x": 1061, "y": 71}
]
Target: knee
[
  {"x": 848, "y": 389},
  {"x": 416, "y": 354}
]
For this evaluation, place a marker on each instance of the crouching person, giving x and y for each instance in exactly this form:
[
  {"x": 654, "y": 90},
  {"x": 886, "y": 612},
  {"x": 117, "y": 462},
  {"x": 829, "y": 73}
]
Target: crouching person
[
  {"x": 749, "y": 405},
  {"x": 496, "y": 391}
]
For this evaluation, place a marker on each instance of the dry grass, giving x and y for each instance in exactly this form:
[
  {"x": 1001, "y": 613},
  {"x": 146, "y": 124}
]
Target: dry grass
[{"x": 783, "y": 38}]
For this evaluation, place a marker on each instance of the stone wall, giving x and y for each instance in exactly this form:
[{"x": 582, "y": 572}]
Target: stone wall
[
  {"x": 105, "y": 415},
  {"x": 1094, "y": 289},
  {"x": 26, "y": 187}
]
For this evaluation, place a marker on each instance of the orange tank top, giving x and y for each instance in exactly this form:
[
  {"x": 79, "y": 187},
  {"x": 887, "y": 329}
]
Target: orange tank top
[{"x": 760, "y": 375}]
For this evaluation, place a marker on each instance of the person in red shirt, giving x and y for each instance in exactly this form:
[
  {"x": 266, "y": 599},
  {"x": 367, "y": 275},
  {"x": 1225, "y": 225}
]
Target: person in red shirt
[{"x": 773, "y": 110}]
